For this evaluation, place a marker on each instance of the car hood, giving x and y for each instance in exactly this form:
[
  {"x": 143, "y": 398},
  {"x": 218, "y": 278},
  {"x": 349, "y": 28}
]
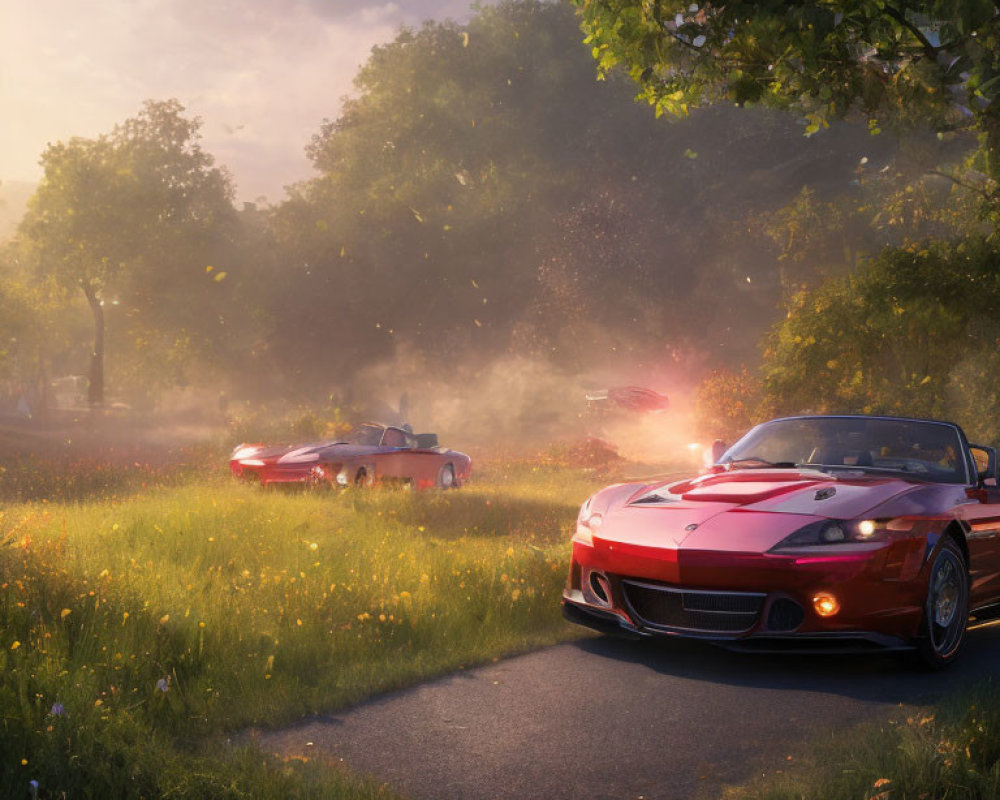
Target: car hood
[
  {"x": 747, "y": 511},
  {"x": 325, "y": 452}
]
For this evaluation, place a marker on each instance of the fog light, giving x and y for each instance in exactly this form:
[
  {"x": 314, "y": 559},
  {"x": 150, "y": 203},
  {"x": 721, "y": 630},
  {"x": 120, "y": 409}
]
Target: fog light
[{"x": 825, "y": 604}]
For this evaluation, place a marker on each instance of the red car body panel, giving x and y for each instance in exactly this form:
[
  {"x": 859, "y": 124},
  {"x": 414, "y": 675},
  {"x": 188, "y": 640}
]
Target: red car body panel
[
  {"x": 393, "y": 455},
  {"x": 700, "y": 557}
]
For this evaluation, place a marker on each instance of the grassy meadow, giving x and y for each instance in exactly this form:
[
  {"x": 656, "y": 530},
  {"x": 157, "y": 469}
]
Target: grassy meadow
[
  {"x": 141, "y": 625},
  {"x": 149, "y": 613}
]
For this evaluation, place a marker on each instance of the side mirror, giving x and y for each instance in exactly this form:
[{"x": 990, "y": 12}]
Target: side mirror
[
  {"x": 718, "y": 448},
  {"x": 711, "y": 455},
  {"x": 986, "y": 463}
]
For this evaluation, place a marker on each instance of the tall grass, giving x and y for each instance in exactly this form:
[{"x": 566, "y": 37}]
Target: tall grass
[
  {"x": 132, "y": 629},
  {"x": 948, "y": 751}
]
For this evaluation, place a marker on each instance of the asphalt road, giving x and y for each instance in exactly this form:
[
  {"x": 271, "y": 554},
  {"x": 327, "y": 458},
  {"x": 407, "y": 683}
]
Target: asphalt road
[{"x": 603, "y": 718}]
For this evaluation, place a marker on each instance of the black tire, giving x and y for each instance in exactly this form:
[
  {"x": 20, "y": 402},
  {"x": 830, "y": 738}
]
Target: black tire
[
  {"x": 946, "y": 607},
  {"x": 361, "y": 478},
  {"x": 446, "y": 477}
]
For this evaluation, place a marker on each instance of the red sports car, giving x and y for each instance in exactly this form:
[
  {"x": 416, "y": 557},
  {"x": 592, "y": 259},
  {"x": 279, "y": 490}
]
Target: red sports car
[
  {"x": 371, "y": 453},
  {"x": 633, "y": 399},
  {"x": 831, "y": 532}
]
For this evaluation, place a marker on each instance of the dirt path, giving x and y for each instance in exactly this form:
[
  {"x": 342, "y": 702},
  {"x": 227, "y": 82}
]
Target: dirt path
[{"x": 607, "y": 719}]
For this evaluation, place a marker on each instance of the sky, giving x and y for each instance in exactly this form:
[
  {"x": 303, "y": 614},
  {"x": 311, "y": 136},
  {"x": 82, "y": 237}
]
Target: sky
[{"x": 261, "y": 74}]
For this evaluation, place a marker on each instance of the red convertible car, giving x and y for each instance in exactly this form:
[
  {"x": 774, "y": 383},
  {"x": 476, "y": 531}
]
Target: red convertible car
[
  {"x": 835, "y": 533},
  {"x": 370, "y": 454},
  {"x": 632, "y": 399}
]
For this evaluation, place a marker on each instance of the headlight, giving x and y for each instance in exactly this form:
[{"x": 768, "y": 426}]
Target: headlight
[
  {"x": 833, "y": 532},
  {"x": 587, "y": 522},
  {"x": 245, "y": 451},
  {"x": 251, "y": 462}
]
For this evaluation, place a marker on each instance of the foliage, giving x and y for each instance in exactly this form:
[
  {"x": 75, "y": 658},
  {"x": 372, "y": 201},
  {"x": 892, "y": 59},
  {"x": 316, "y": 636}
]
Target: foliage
[
  {"x": 888, "y": 338},
  {"x": 927, "y": 60},
  {"x": 39, "y": 331},
  {"x": 133, "y": 219},
  {"x": 482, "y": 194},
  {"x": 925, "y": 63},
  {"x": 728, "y": 404}
]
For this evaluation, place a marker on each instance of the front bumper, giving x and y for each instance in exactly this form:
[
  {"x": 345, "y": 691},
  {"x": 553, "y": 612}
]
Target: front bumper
[
  {"x": 745, "y": 601},
  {"x": 612, "y": 624}
]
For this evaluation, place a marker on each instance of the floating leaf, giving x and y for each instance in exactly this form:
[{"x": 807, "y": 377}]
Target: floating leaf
[{"x": 220, "y": 277}]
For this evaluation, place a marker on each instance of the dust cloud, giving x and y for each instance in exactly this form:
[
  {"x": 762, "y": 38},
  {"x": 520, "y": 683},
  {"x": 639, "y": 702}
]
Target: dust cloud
[{"x": 518, "y": 405}]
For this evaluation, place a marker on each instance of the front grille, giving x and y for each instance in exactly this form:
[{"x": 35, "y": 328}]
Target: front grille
[{"x": 683, "y": 609}]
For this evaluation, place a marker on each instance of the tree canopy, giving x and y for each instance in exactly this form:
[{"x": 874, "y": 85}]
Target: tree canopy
[
  {"x": 132, "y": 219},
  {"x": 926, "y": 63},
  {"x": 482, "y": 194},
  {"x": 482, "y": 197},
  {"x": 925, "y": 60},
  {"x": 911, "y": 332}
]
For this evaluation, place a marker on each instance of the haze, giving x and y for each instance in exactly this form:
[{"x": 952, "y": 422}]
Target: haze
[{"x": 262, "y": 75}]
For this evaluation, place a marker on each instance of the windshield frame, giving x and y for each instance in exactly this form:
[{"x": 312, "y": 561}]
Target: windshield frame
[
  {"x": 363, "y": 435},
  {"x": 961, "y": 473}
]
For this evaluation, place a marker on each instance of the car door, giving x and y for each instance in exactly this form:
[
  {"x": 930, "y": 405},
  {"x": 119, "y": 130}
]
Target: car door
[{"x": 981, "y": 513}]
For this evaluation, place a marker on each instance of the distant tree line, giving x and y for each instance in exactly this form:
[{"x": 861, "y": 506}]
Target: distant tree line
[{"x": 483, "y": 195}]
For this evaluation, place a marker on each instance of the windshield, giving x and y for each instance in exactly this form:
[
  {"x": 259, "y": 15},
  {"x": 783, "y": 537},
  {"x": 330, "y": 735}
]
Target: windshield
[
  {"x": 928, "y": 450},
  {"x": 367, "y": 435}
]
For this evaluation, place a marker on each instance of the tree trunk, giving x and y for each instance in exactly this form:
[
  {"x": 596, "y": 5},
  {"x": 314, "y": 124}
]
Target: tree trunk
[
  {"x": 990, "y": 125},
  {"x": 95, "y": 392}
]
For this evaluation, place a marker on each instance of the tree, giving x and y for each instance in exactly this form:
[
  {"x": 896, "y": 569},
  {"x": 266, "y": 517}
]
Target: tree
[
  {"x": 37, "y": 324},
  {"x": 480, "y": 174},
  {"x": 911, "y": 332},
  {"x": 128, "y": 217},
  {"x": 908, "y": 61},
  {"x": 728, "y": 404}
]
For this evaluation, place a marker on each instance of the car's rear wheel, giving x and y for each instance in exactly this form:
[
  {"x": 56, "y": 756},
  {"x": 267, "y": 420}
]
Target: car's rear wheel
[
  {"x": 446, "y": 477},
  {"x": 946, "y": 609}
]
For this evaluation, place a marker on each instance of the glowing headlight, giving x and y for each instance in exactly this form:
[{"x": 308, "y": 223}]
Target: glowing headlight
[
  {"x": 832, "y": 532},
  {"x": 245, "y": 451}
]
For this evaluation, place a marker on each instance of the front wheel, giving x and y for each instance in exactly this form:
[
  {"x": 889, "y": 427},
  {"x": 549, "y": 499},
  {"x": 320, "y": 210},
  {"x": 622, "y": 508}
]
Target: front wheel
[
  {"x": 946, "y": 609},
  {"x": 446, "y": 477}
]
